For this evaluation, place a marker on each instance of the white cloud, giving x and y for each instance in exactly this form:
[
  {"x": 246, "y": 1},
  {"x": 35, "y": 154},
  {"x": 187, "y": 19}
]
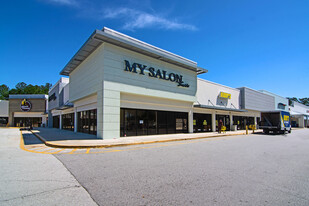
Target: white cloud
[{"x": 134, "y": 19}]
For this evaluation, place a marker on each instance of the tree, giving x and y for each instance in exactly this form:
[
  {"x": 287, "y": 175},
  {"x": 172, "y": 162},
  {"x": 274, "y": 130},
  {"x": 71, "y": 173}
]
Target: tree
[
  {"x": 4, "y": 92},
  {"x": 20, "y": 87},
  {"x": 23, "y": 88},
  {"x": 304, "y": 101}
]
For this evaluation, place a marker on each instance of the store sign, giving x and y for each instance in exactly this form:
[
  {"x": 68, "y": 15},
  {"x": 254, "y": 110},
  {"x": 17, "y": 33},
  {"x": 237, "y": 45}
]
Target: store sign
[
  {"x": 52, "y": 97},
  {"x": 225, "y": 95},
  {"x": 25, "y": 106},
  {"x": 155, "y": 73}
]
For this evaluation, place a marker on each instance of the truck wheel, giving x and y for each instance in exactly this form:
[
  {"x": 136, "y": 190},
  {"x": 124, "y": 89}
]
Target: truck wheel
[
  {"x": 289, "y": 131},
  {"x": 266, "y": 131}
]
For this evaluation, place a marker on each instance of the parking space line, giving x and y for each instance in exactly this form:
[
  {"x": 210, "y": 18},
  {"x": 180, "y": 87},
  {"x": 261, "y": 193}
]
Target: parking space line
[{"x": 72, "y": 152}]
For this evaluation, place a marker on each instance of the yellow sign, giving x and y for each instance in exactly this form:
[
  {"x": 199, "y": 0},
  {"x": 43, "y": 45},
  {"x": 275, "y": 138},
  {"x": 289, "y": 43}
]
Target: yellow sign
[
  {"x": 286, "y": 118},
  {"x": 225, "y": 95},
  {"x": 24, "y": 102},
  {"x": 205, "y": 122}
]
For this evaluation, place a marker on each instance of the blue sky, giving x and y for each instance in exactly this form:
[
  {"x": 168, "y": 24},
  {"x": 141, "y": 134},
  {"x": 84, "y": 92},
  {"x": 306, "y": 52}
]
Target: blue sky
[{"x": 262, "y": 44}]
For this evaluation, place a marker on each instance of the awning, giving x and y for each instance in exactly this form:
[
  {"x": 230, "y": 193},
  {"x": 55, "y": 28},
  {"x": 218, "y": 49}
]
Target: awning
[
  {"x": 296, "y": 113},
  {"x": 219, "y": 108}
]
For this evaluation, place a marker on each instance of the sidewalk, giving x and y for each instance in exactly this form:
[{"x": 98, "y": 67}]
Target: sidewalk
[{"x": 67, "y": 139}]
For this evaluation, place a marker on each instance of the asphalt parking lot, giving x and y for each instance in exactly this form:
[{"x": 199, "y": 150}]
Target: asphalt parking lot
[
  {"x": 232, "y": 170},
  {"x": 241, "y": 170}
]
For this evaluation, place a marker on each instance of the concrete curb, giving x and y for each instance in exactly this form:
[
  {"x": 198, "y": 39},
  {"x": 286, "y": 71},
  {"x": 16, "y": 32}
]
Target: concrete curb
[{"x": 50, "y": 144}]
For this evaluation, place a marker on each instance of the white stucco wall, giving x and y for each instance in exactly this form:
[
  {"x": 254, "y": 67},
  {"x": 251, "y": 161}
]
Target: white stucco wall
[
  {"x": 299, "y": 108},
  {"x": 4, "y": 108},
  {"x": 208, "y": 94}
]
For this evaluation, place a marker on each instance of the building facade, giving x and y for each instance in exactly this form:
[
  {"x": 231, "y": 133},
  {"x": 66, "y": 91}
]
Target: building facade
[
  {"x": 121, "y": 86},
  {"x": 281, "y": 103},
  {"x": 28, "y": 110},
  {"x": 299, "y": 114},
  {"x": 217, "y": 102},
  {"x": 4, "y": 112},
  {"x": 256, "y": 102},
  {"x": 60, "y": 109}
]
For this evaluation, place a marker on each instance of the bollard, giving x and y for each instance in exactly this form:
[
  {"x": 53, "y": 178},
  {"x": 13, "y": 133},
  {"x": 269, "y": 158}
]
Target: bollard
[{"x": 246, "y": 129}]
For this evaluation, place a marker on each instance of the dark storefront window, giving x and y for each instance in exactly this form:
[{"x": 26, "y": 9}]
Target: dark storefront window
[
  {"x": 135, "y": 122},
  {"x": 225, "y": 119},
  {"x": 27, "y": 121},
  {"x": 3, "y": 121},
  {"x": 68, "y": 121},
  {"x": 56, "y": 122},
  {"x": 201, "y": 122},
  {"x": 87, "y": 121},
  {"x": 242, "y": 122}
]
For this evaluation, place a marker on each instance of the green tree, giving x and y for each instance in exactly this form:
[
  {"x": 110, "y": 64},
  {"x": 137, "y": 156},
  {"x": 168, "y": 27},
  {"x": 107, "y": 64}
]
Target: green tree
[
  {"x": 4, "y": 92},
  {"x": 20, "y": 87},
  {"x": 23, "y": 88},
  {"x": 304, "y": 101}
]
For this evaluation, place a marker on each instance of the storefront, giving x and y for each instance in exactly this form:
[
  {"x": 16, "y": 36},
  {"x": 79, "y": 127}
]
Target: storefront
[
  {"x": 299, "y": 114},
  {"x": 215, "y": 103},
  {"x": 254, "y": 102},
  {"x": 4, "y": 113},
  {"x": 28, "y": 110},
  {"x": 120, "y": 86},
  {"x": 135, "y": 122}
]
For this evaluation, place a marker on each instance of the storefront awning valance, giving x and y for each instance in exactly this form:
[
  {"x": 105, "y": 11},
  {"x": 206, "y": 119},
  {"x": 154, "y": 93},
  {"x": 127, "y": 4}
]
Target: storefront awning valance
[{"x": 219, "y": 108}]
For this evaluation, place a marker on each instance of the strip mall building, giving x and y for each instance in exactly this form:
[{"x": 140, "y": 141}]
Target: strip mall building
[{"x": 119, "y": 86}]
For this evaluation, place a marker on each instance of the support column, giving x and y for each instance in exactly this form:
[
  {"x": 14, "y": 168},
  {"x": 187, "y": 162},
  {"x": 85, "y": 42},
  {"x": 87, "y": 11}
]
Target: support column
[
  {"x": 231, "y": 121},
  {"x": 190, "y": 121},
  {"x": 11, "y": 119},
  {"x": 43, "y": 121},
  {"x": 301, "y": 121},
  {"x": 50, "y": 119},
  {"x": 213, "y": 121},
  {"x": 75, "y": 120},
  {"x": 60, "y": 121},
  {"x": 108, "y": 122}
]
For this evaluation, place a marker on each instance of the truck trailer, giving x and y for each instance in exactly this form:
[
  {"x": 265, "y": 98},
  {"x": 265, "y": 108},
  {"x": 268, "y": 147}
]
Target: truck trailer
[{"x": 275, "y": 121}]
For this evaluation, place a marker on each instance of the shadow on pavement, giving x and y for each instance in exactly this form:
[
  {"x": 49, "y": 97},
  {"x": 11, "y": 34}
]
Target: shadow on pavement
[
  {"x": 30, "y": 139},
  {"x": 53, "y": 134},
  {"x": 270, "y": 134}
]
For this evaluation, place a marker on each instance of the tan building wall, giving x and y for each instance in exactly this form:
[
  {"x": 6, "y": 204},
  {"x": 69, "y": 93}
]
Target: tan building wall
[{"x": 38, "y": 108}]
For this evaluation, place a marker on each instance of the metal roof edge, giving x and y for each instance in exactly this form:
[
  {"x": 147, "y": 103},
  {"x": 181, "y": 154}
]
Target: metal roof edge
[
  {"x": 28, "y": 96},
  {"x": 122, "y": 40},
  {"x": 89, "y": 38}
]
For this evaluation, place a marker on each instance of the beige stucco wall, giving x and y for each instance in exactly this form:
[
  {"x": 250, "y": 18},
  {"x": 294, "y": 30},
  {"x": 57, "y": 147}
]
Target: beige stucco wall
[{"x": 103, "y": 74}]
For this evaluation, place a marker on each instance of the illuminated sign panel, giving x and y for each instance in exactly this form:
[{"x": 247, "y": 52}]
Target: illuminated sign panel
[
  {"x": 25, "y": 106},
  {"x": 225, "y": 95}
]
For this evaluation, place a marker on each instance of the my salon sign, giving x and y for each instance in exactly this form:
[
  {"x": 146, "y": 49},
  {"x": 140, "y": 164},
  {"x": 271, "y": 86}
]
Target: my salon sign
[{"x": 154, "y": 73}]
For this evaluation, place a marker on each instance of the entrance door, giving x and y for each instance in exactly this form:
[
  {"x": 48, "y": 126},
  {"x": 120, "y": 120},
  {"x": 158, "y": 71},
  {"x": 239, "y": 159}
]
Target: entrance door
[
  {"x": 27, "y": 121},
  {"x": 225, "y": 119}
]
